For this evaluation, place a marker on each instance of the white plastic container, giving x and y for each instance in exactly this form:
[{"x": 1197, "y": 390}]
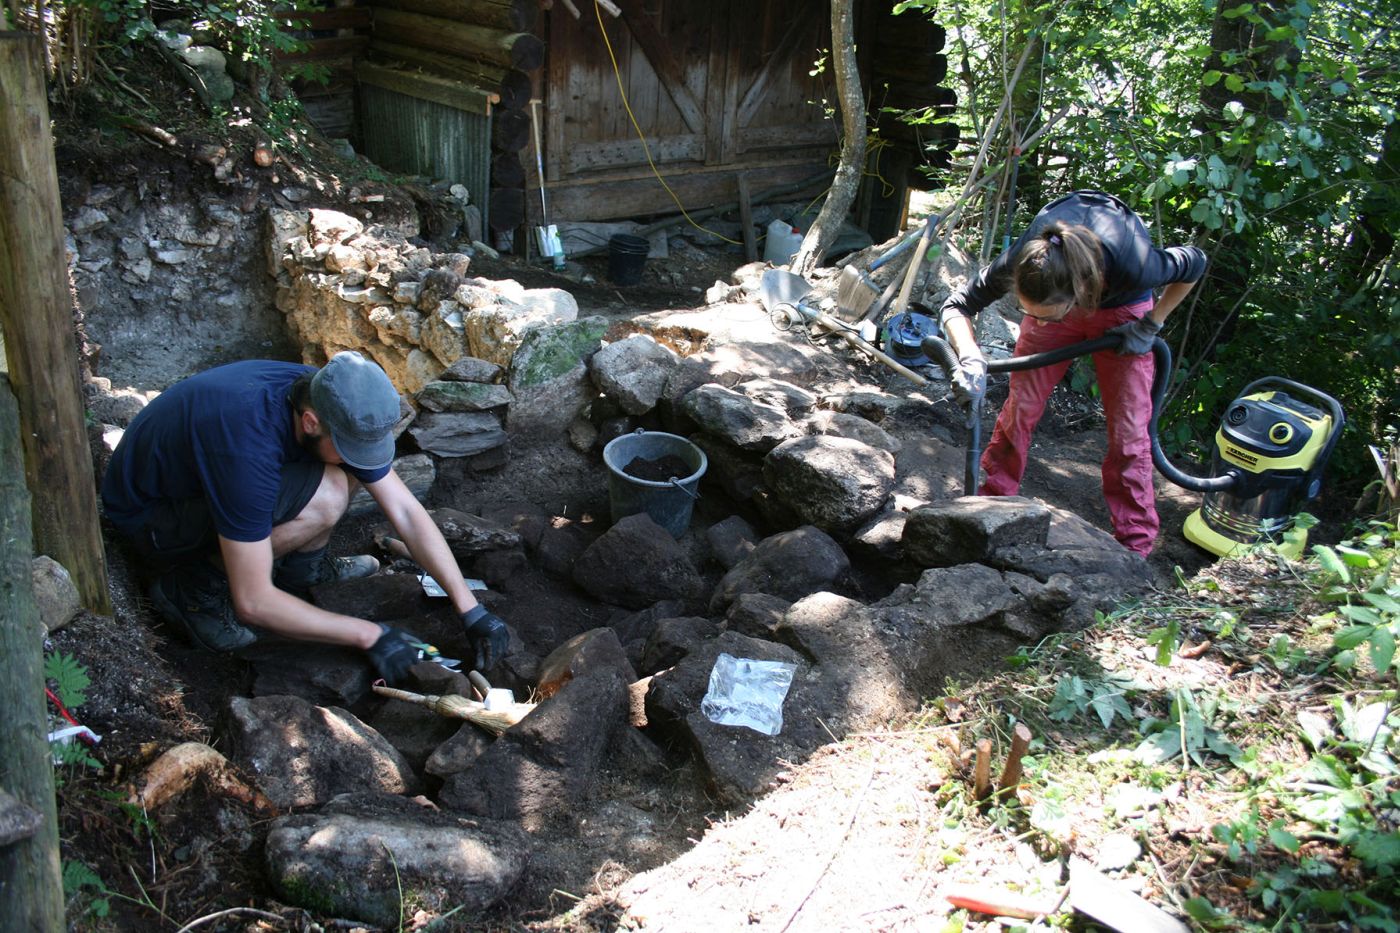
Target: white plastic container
[{"x": 782, "y": 242}]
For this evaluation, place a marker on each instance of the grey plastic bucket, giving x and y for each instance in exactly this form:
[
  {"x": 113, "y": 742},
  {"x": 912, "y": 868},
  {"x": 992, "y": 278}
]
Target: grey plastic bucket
[{"x": 668, "y": 503}]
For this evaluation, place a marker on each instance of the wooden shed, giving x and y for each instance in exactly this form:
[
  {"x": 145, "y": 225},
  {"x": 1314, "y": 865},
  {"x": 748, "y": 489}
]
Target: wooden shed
[{"x": 665, "y": 104}]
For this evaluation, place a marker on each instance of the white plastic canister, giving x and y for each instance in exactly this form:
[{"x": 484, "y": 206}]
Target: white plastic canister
[{"x": 783, "y": 241}]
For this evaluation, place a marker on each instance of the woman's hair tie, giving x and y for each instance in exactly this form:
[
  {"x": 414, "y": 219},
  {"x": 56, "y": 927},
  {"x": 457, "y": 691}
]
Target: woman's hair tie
[{"x": 1055, "y": 239}]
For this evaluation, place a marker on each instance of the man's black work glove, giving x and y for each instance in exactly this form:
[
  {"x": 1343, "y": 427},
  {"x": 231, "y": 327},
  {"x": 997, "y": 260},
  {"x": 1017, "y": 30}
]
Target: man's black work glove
[
  {"x": 969, "y": 380},
  {"x": 488, "y": 634},
  {"x": 394, "y": 653},
  {"x": 1138, "y": 336}
]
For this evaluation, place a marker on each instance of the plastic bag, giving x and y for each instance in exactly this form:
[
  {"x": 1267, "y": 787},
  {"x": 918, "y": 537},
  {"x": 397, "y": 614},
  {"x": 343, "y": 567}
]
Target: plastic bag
[{"x": 745, "y": 692}]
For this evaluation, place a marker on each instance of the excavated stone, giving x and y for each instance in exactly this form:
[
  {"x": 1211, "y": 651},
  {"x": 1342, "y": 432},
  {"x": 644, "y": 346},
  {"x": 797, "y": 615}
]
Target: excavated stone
[
  {"x": 633, "y": 371},
  {"x": 503, "y": 312},
  {"x": 973, "y": 528},
  {"x": 595, "y": 649},
  {"x": 635, "y": 563},
  {"x": 471, "y": 369},
  {"x": 882, "y": 537},
  {"x": 458, "y": 434},
  {"x": 672, "y": 639},
  {"x": 737, "y": 419},
  {"x": 834, "y": 483},
  {"x": 414, "y": 731},
  {"x": 327, "y": 227},
  {"x": 55, "y": 593},
  {"x": 739, "y": 763},
  {"x": 303, "y": 755},
  {"x": 756, "y": 615},
  {"x": 543, "y": 767},
  {"x": 326, "y": 675},
  {"x": 469, "y": 535},
  {"x": 449, "y": 395},
  {"x": 548, "y": 377},
  {"x": 371, "y": 856},
  {"x": 560, "y": 546},
  {"x": 731, "y": 540},
  {"x": 418, "y": 473},
  {"x": 839, "y": 424},
  {"x": 379, "y": 598},
  {"x": 458, "y": 752},
  {"x": 737, "y": 473},
  {"x": 498, "y": 568},
  {"x": 789, "y": 565},
  {"x": 793, "y": 399}
]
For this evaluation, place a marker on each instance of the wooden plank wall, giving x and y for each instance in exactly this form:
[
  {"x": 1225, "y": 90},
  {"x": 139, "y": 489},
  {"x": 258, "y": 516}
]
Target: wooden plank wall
[{"x": 335, "y": 37}]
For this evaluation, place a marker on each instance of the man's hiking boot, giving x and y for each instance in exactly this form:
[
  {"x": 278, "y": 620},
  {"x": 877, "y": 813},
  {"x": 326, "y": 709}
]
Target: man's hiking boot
[
  {"x": 298, "y": 572},
  {"x": 196, "y": 599}
]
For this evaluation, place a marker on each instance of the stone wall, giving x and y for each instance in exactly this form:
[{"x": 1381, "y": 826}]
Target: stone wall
[{"x": 345, "y": 286}]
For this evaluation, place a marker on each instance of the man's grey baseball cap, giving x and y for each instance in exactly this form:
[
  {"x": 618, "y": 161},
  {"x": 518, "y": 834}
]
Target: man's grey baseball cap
[{"x": 358, "y": 404}]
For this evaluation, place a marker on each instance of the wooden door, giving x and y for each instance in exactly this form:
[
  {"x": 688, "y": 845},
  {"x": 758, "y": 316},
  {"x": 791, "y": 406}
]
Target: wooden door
[{"x": 711, "y": 84}]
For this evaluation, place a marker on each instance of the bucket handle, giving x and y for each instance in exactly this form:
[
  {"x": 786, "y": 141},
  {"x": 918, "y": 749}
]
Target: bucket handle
[{"x": 675, "y": 481}]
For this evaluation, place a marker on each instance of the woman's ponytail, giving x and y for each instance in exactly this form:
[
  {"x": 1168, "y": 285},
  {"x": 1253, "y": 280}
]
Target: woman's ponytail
[{"x": 1062, "y": 261}]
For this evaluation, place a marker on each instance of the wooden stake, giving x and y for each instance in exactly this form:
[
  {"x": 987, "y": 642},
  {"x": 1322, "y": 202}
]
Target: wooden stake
[
  {"x": 31, "y": 885},
  {"x": 36, "y": 312},
  {"x": 746, "y": 219},
  {"x": 1011, "y": 774},
  {"x": 982, "y": 781}
]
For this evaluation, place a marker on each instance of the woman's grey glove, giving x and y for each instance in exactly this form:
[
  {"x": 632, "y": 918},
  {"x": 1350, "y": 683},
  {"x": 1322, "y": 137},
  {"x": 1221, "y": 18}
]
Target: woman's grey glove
[
  {"x": 970, "y": 379},
  {"x": 1138, "y": 336},
  {"x": 489, "y": 636}
]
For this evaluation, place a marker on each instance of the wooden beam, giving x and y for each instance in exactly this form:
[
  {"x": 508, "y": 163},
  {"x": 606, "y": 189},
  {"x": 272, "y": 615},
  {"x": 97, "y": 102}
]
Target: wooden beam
[
  {"x": 320, "y": 49},
  {"x": 36, "y": 312},
  {"x": 346, "y": 17},
  {"x": 505, "y": 15},
  {"x": 663, "y": 60},
  {"x": 746, "y": 219},
  {"x": 511, "y": 87},
  {"x": 31, "y": 884},
  {"x": 445, "y": 91},
  {"x": 508, "y": 49}
]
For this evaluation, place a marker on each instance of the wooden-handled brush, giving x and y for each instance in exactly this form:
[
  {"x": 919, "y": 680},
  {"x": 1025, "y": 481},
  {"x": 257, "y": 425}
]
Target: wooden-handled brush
[{"x": 453, "y": 706}]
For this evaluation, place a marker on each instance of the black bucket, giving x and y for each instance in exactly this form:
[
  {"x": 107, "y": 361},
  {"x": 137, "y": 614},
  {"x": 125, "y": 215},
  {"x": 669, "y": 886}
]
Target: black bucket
[{"x": 626, "y": 256}]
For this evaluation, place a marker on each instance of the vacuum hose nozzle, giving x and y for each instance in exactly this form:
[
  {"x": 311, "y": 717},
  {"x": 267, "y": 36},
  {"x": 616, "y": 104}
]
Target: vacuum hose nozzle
[{"x": 938, "y": 350}]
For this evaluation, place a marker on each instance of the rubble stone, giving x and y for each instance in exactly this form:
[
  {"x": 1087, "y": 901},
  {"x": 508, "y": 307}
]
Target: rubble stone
[
  {"x": 834, "y": 483},
  {"x": 635, "y": 563}
]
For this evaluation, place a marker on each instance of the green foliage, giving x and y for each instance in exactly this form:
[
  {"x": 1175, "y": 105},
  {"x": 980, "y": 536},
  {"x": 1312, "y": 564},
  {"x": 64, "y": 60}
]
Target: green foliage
[
  {"x": 1264, "y": 133},
  {"x": 82, "y": 883},
  {"x": 69, "y": 679}
]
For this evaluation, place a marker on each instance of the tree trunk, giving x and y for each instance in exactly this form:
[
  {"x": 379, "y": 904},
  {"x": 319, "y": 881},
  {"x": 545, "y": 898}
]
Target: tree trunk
[
  {"x": 847, "y": 182},
  {"x": 36, "y": 312},
  {"x": 1372, "y": 238},
  {"x": 31, "y": 887}
]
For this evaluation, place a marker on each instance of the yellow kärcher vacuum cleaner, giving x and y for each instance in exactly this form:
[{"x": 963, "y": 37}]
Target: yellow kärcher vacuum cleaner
[
  {"x": 1276, "y": 440},
  {"x": 1269, "y": 451}
]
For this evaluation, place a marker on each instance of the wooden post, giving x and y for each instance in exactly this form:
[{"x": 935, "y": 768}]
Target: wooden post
[
  {"x": 746, "y": 219},
  {"x": 982, "y": 773},
  {"x": 37, "y": 317},
  {"x": 31, "y": 886},
  {"x": 1020, "y": 744}
]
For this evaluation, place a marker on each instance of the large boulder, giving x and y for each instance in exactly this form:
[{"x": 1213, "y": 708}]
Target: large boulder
[
  {"x": 832, "y": 482},
  {"x": 972, "y": 529},
  {"x": 543, "y": 767},
  {"x": 548, "y": 376},
  {"x": 737, "y": 419},
  {"x": 789, "y": 565},
  {"x": 501, "y": 314},
  {"x": 303, "y": 755},
  {"x": 633, "y": 372},
  {"x": 635, "y": 563},
  {"x": 376, "y": 858}
]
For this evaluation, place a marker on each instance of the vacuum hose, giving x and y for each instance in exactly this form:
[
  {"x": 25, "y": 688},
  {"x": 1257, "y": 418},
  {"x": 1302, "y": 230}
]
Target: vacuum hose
[{"x": 938, "y": 349}]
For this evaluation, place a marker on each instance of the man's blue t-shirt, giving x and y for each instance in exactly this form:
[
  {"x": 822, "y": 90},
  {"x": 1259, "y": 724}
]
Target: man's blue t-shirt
[{"x": 222, "y": 435}]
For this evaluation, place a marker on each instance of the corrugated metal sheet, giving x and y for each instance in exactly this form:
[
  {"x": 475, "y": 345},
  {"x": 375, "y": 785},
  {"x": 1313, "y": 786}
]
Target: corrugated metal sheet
[{"x": 422, "y": 137}]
